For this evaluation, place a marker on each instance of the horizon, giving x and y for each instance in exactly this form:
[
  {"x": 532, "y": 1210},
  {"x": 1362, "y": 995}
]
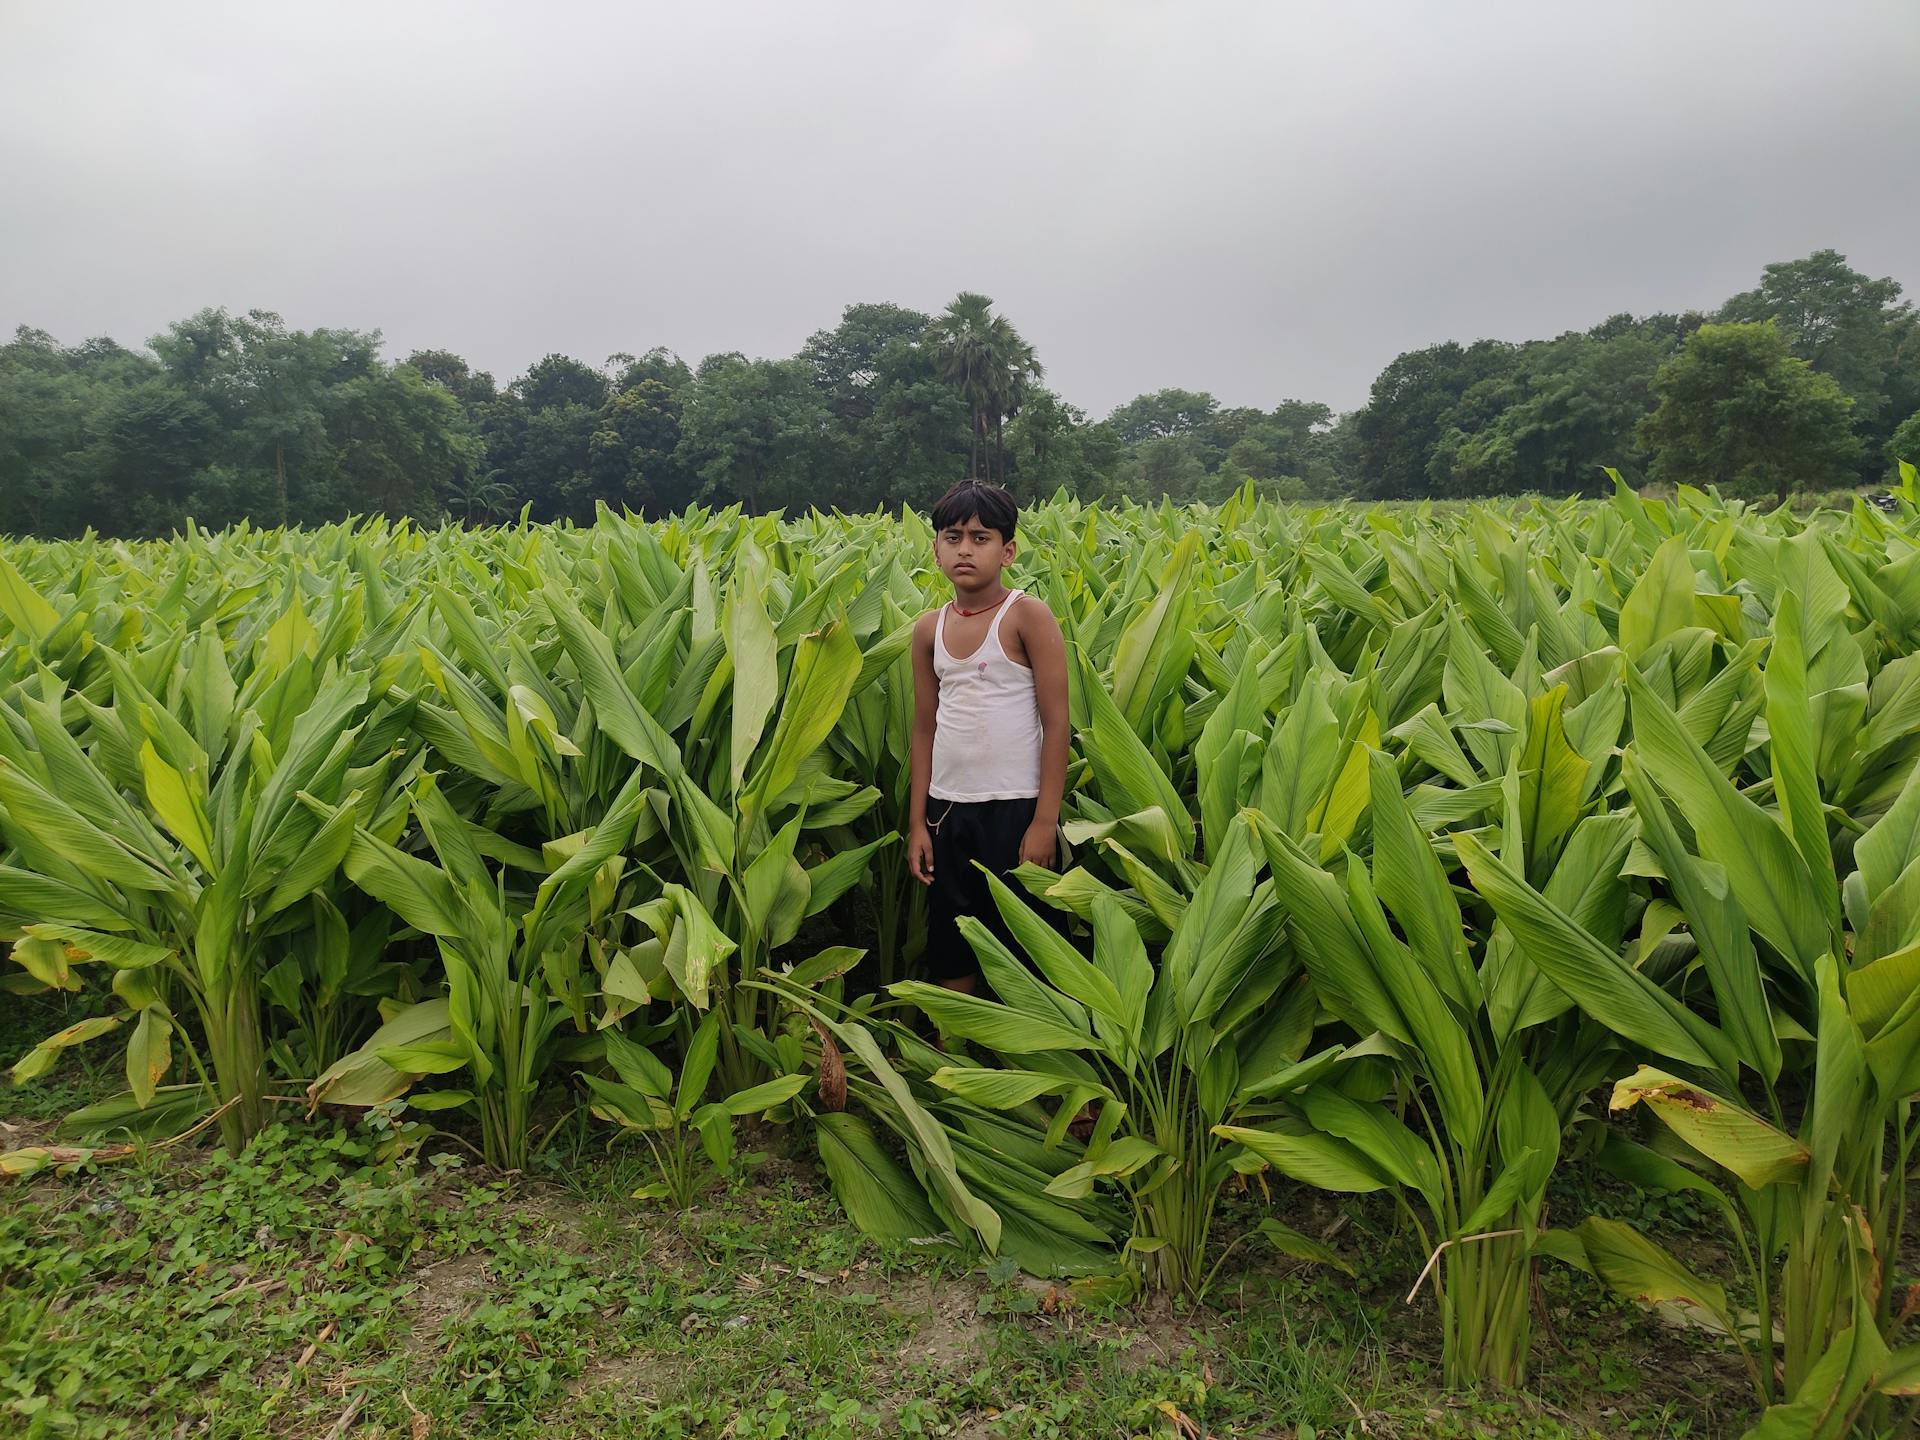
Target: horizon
[{"x": 1260, "y": 204}]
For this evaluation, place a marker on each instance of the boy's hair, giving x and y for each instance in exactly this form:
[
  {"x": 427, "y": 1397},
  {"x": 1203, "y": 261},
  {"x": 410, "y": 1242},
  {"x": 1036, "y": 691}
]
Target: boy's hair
[{"x": 994, "y": 507}]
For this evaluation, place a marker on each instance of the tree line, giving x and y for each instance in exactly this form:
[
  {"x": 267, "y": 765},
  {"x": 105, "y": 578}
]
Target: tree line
[{"x": 1809, "y": 381}]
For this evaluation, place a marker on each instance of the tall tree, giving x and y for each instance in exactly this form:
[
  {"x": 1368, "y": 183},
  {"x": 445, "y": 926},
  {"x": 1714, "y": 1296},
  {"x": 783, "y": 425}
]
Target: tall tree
[
  {"x": 452, "y": 373},
  {"x": 632, "y": 451},
  {"x": 555, "y": 380},
  {"x": 1735, "y": 409},
  {"x": 1408, "y": 410},
  {"x": 1162, "y": 414},
  {"x": 1904, "y": 444},
  {"x": 984, "y": 357},
  {"x": 271, "y": 388},
  {"x": 400, "y": 443},
  {"x": 1845, "y": 325},
  {"x": 658, "y": 364},
  {"x": 851, "y": 363},
  {"x": 754, "y": 430},
  {"x": 1566, "y": 409}
]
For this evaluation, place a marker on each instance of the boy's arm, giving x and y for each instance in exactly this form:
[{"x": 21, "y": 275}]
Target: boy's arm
[
  {"x": 926, "y": 702},
  {"x": 1047, "y": 655}
]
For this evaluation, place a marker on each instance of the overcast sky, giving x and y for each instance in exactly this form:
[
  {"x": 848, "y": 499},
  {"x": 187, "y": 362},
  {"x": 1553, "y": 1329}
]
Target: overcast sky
[{"x": 1262, "y": 200}]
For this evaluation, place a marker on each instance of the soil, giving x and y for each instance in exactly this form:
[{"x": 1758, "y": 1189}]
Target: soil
[{"x": 445, "y": 1290}]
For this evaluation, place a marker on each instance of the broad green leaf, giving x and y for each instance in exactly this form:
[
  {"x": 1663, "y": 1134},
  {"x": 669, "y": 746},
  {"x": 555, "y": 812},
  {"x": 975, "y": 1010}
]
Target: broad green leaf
[
  {"x": 1726, "y": 1133},
  {"x": 879, "y": 1197},
  {"x": 755, "y": 657},
  {"x": 1662, "y": 601},
  {"x": 44, "y": 1056},
  {"x": 115, "y": 950},
  {"x": 149, "y": 1053},
  {"x": 1008, "y": 1089},
  {"x": 825, "y": 665},
  {"x": 756, "y": 1098},
  {"x": 419, "y": 893},
  {"x": 23, "y": 605},
  {"x": 1323, "y": 1161},
  {"x": 1796, "y": 783},
  {"x": 1765, "y": 871},
  {"x": 1128, "y": 775},
  {"x": 1718, "y": 926},
  {"x": 1635, "y": 1268},
  {"x": 1291, "y": 1243},
  {"x": 1598, "y": 980},
  {"x": 988, "y": 1023},
  {"x": 363, "y": 1078},
  {"x": 182, "y": 807}
]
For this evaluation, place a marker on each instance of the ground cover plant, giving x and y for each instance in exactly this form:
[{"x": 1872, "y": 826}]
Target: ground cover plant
[{"x": 1439, "y": 861}]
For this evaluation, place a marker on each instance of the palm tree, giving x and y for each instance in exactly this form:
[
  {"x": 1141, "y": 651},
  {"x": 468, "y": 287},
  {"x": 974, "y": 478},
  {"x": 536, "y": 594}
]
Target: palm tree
[{"x": 983, "y": 356}]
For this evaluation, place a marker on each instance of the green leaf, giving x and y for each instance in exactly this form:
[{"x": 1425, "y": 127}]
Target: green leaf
[
  {"x": 1598, "y": 980},
  {"x": 1765, "y": 871},
  {"x": 986, "y": 1022},
  {"x": 756, "y": 1098},
  {"x": 1726, "y": 1133},
  {"x": 1635, "y": 1268},
  {"x": 181, "y": 808},
  {"x": 825, "y": 665},
  {"x": 638, "y": 1067},
  {"x": 1291, "y": 1243},
  {"x": 1063, "y": 966},
  {"x": 44, "y": 1056},
  {"x": 1130, "y": 779},
  {"x": 836, "y": 875},
  {"x": 40, "y": 819},
  {"x": 363, "y": 1078},
  {"x": 419, "y": 893},
  {"x": 1323, "y": 1161},
  {"x": 695, "y": 946},
  {"x": 1552, "y": 780},
  {"x": 1661, "y": 602},
  {"x": 879, "y": 1197},
  {"x": 696, "y": 1068},
  {"x": 1155, "y": 649},
  {"x": 754, "y": 655},
  {"x": 115, "y": 950},
  {"x": 1790, "y": 727},
  {"x": 1718, "y": 926},
  {"x": 30, "y": 897},
  {"x": 149, "y": 1054},
  {"x": 22, "y": 605},
  {"x": 834, "y": 961},
  {"x": 439, "y": 1099},
  {"x": 1408, "y": 877},
  {"x": 1010, "y": 1089}
]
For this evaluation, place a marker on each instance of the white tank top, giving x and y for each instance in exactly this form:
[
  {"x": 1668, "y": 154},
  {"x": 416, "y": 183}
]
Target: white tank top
[{"x": 986, "y": 737}]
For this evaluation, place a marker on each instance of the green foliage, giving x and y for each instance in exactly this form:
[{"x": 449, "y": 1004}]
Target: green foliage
[
  {"x": 1736, "y": 410},
  {"x": 1396, "y": 836}
]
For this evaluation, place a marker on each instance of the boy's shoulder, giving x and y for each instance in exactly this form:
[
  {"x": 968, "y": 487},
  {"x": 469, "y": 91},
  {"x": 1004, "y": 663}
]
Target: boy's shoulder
[{"x": 1031, "y": 606}]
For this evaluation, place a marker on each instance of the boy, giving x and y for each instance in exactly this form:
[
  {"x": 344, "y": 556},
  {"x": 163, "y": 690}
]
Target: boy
[{"x": 989, "y": 729}]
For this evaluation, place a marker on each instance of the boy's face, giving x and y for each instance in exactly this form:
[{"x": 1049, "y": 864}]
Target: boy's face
[{"x": 971, "y": 555}]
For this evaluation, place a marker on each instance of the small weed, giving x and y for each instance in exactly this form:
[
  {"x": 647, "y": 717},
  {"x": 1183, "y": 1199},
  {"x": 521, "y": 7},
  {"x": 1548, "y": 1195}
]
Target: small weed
[{"x": 328, "y": 1268}]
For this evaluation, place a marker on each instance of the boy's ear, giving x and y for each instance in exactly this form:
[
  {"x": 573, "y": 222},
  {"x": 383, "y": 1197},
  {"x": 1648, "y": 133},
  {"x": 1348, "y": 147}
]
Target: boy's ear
[{"x": 1013, "y": 548}]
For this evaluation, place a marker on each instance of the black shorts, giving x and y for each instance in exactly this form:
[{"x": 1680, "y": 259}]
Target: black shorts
[{"x": 990, "y": 832}]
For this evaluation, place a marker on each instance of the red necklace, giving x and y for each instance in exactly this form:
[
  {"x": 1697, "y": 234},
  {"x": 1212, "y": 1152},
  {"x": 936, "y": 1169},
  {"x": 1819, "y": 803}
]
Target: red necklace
[{"x": 969, "y": 614}]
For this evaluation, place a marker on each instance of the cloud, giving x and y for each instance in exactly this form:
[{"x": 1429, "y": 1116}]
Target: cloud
[{"x": 1262, "y": 200}]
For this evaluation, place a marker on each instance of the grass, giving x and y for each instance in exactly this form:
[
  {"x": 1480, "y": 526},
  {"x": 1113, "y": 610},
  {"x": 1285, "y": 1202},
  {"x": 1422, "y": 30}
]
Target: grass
[
  {"x": 366, "y": 1271},
  {"x": 333, "y": 1272}
]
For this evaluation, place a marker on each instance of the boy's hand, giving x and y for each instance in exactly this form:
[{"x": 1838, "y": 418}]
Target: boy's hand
[
  {"x": 920, "y": 855},
  {"x": 1039, "y": 846}
]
